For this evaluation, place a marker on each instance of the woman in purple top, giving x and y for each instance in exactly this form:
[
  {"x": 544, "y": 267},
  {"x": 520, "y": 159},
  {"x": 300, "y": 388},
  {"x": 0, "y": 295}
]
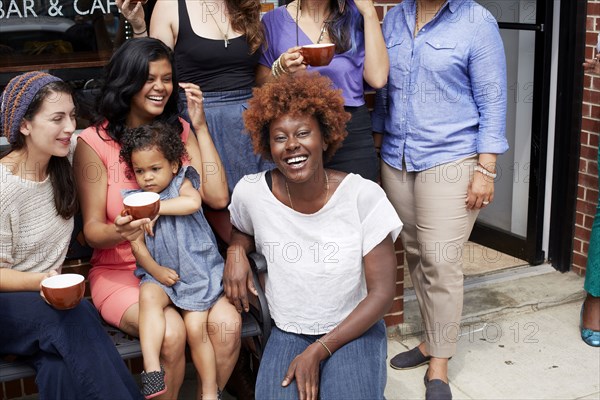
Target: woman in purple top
[{"x": 360, "y": 57}]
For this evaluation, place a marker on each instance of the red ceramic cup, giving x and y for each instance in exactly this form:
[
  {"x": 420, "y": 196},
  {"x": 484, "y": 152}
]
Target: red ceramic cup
[
  {"x": 64, "y": 291},
  {"x": 141, "y": 205},
  {"x": 318, "y": 55}
]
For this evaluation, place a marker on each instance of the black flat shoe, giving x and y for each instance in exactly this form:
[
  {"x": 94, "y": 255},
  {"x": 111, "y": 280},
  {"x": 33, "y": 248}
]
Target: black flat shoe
[
  {"x": 409, "y": 359},
  {"x": 436, "y": 389}
]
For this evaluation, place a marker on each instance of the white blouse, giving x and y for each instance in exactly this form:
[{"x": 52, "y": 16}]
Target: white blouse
[{"x": 315, "y": 261}]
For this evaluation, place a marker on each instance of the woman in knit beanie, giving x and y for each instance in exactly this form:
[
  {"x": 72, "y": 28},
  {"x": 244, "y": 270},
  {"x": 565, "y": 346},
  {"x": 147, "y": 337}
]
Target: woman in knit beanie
[{"x": 73, "y": 356}]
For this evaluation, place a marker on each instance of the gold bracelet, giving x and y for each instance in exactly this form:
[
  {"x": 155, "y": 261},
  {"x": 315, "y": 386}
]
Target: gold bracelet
[
  {"x": 275, "y": 69},
  {"x": 324, "y": 346},
  {"x": 280, "y": 69},
  {"x": 282, "y": 65}
]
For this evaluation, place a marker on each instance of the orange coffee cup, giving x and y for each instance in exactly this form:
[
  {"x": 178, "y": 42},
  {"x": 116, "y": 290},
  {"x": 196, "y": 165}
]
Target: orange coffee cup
[
  {"x": 318, "y": 55},
  {"x": 141, "y": 205},
  {"x": 64, "y": 291}
]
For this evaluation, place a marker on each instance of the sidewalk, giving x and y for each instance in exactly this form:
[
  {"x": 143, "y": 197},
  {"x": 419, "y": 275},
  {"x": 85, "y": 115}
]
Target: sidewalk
[{"x": 519, "y": 340}]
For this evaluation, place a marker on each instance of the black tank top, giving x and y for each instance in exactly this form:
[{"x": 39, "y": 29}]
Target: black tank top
[{"x": 208, "y": 63}]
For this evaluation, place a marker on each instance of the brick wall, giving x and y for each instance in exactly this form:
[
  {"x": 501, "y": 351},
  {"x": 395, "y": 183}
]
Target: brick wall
[
  {"x": 587, "y": 190},
  {"x": 396, "y": 314}
]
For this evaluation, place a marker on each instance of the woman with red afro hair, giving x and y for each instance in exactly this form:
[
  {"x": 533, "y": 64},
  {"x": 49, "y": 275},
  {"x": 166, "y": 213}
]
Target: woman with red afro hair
[{"x": 327, "y": 237}]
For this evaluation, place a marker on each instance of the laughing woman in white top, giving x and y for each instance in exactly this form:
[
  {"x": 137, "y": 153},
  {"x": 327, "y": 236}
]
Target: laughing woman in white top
[{"x": 328, "y": 240}]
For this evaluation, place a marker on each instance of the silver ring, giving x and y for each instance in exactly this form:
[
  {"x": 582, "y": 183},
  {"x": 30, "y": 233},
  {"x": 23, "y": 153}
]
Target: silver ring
[{"x": 485, "y": 203}]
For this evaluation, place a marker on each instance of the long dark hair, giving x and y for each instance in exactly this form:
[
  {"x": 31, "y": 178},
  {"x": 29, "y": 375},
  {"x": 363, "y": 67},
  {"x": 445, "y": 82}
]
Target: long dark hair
[
  {"x": 60, "y": 171},
  {"x": 124, "y": 76},
  {"x": 345, "y": 26}
]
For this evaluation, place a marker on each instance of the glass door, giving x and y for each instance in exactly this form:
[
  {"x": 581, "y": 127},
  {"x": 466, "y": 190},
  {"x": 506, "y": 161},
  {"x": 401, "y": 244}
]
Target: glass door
[{"x": 513, "y": 224}]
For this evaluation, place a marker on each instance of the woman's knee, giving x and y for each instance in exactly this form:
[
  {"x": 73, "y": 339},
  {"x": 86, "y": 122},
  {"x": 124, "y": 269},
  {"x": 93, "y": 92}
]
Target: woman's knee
[{"x": 224, "y": 327}]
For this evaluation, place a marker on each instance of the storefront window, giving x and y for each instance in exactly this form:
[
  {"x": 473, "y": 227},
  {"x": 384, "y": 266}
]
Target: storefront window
[
  {"x": 72, "y": 39},
  {"x": 34, "y": 27}
]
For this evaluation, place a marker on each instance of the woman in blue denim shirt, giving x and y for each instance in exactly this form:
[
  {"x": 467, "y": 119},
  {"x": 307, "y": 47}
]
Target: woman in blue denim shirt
[{"x": 442, "y": 116}]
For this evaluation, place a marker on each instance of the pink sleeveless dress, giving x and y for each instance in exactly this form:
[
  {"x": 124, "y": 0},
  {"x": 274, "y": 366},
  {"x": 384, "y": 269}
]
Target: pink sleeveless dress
[{"x": 113, "y": 285}]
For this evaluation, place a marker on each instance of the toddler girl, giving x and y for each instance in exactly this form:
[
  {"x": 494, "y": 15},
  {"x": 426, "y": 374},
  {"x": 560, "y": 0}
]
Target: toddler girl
[{"x": 178, "y": 260}]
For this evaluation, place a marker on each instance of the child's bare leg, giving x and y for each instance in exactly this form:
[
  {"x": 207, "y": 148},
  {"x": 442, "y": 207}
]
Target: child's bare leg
[
  {"x": 153, "y": 301},
  {"x": 203, "y": 354}
]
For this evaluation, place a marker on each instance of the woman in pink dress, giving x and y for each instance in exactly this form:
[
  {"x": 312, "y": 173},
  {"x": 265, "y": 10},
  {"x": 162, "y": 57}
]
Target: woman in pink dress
[{"x": 139, "y": 89}]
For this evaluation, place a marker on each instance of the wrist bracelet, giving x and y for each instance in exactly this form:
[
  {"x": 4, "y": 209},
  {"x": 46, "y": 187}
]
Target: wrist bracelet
[
  {"x": 485, "y": 172},
  {"x": 139, "y": 33},
  {"x": 484, "y": 167},
  {"x": 277, "y": 69},
  {"x": 324, "y": 346}
]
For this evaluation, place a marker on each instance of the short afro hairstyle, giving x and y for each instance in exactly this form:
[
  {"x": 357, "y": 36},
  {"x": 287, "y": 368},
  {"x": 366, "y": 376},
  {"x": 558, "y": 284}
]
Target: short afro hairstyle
[
  {"x": 157, "y": 134},
  {"x": 302, "y": 93}
]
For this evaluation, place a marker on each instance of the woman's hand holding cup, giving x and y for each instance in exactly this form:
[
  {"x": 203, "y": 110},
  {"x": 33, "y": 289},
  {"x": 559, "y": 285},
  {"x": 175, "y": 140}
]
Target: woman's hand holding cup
[
  {"x": 50, "y": 273},
  {"x": 130, "y": 229},
  {"x": 292, "y": 60}
]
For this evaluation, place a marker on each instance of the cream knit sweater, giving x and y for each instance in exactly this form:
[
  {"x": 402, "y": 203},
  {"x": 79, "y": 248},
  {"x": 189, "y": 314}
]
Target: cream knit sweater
[{"x": 33, "y": 237}]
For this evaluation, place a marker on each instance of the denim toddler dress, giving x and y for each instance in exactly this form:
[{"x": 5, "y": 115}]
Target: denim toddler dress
[{"x": 186, "y": 244}]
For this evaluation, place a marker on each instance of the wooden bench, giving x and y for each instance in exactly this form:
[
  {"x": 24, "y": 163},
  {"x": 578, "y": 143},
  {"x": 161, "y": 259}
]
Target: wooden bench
[{"x": 256, "y": 324}]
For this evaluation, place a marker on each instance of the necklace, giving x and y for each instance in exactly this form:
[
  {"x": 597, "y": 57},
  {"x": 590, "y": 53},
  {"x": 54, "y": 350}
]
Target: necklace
[
  {"x": 287, "y": 189},
  {"x": 417, "y": 25},
  {"x": 226, "y": 33},
  {"x": 416, "y": 18},
  {"x": 322, "y": 31},
  {"x": 323, "y": 26}
]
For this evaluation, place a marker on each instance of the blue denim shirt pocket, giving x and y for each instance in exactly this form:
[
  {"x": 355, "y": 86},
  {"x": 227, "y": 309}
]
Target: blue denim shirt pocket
[
  {"x": 437, "y": 54},
  {"x": 399, "y": 52}
]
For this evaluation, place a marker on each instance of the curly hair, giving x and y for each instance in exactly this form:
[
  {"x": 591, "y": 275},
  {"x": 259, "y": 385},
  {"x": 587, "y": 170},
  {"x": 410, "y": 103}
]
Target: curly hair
[
  {"x": 298, "y": 94},
  {"x": 157, "y": 134},
  {"x": 245, "y": 17}
]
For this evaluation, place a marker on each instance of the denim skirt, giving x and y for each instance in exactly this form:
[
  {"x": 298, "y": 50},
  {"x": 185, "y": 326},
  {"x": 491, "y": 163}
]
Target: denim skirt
[{"x": 226, "y": 126}]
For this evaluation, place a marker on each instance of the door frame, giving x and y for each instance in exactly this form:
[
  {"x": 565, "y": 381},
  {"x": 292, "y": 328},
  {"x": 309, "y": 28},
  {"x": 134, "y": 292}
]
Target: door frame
[
  {"x": 529, "y": 248},
  {"x": 573, "y": 15}
]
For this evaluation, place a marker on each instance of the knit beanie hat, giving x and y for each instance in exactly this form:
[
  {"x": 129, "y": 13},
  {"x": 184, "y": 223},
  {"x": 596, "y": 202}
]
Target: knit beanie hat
[{"x": 17, "y": 97}]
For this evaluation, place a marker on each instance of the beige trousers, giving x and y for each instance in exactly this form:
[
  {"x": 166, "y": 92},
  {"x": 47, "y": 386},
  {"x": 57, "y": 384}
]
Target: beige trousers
[{"x": 437, "y": 223}]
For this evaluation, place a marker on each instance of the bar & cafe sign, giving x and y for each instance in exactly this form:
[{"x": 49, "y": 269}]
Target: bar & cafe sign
[{"x": 54, "y": 8}]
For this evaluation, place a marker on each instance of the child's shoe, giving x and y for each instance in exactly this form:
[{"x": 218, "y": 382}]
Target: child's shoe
[
  {"x": 153, "y": 383},
  {"x": 219, "y": 395}
]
